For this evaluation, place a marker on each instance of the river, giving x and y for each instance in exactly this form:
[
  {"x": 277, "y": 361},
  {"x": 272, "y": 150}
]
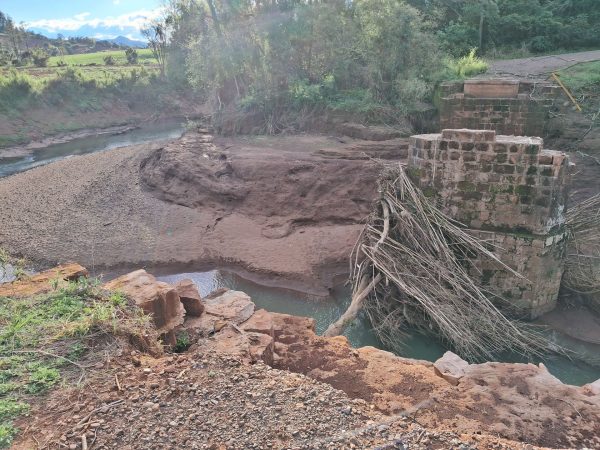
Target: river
[
  {"x": 168, "y": 129},
  {"x": 323, "y": 309}
]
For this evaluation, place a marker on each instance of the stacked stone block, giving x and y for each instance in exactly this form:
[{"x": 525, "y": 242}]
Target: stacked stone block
[
  {"x": 507, "y": 106},
  {"x": 509, "y": 191}
]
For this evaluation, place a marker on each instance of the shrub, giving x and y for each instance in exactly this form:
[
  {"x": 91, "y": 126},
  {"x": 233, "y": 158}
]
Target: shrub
[
  {"x": 468, "y": 65},
  {"x": 7, "y": 433},
  {"x": 40, "y": 58},
  {"x": 132, "y": 56},
  {"x": 109, "y": 60}
]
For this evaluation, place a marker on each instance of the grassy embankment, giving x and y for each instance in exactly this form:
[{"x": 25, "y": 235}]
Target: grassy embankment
[
  {"x": 583, "y": 80},
  {"x": 49, "y": 340},
  {"x": 40, "y": 102}
]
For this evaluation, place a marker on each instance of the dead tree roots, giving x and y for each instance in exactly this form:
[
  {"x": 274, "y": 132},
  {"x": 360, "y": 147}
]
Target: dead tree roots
[{"x": 413, "y": 266}]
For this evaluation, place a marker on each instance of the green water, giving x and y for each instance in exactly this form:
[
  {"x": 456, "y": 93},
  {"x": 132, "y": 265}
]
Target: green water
[
  {"x": 169, "y": 129},
  {"x": 327, "y": 309}
]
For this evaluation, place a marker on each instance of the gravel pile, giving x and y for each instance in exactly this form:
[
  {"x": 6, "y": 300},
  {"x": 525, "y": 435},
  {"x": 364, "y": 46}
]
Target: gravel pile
[{"x": 206, "y": 401}]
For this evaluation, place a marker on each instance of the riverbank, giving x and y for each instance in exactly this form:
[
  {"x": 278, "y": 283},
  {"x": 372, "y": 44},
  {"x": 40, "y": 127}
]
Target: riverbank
[
  {"x": 286, "y": 208},
  {"x": 239, "y": 360}
]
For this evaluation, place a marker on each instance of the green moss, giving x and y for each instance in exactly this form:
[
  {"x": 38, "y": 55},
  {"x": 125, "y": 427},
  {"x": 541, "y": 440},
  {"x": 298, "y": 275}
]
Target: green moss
[
  {"x": 467, "y": 186},
  {"x": 523, "y": 190}
]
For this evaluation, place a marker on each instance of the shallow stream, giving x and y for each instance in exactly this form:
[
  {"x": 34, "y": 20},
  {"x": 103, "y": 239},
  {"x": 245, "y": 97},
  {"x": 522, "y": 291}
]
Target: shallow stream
[
  {"x": 326, "y": 310},
  {"x": 168, "y": 129}
]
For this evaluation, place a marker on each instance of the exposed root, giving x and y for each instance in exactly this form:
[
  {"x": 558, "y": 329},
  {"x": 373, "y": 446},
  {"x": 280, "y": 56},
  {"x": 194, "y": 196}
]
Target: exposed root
[
  {"x": 582, "y": 270},
  {"x": 426, "y": 261}
]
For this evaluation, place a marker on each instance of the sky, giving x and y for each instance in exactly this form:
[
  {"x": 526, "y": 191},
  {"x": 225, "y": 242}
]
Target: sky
[{"x": 102, "y": 19}]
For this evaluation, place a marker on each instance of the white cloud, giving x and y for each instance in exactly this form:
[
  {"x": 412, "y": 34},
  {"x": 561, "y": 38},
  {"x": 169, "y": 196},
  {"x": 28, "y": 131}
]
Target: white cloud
[
  {"x": 116, "y": 2},
  {"x": 133, "y": 20}
]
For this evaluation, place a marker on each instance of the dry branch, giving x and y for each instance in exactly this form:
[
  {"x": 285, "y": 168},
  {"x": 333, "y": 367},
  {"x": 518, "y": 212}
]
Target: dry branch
[
  {"x": 582, "y": 269},
  {"x": 428, "y": 262}
]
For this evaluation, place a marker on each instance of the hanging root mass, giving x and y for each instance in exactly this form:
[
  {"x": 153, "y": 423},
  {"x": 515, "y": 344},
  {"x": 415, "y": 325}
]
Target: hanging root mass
[
  {"x": 582, "y": 270},
  {"x": 414, "y": 267}
]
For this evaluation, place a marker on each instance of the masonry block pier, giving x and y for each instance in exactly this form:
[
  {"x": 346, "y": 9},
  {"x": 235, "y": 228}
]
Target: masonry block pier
[
  {"x": 509, "y": 191},
  {"x": 508, "y": 106}
]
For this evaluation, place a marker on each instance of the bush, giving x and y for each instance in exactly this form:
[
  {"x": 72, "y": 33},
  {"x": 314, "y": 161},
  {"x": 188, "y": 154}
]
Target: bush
[
  {"x": 132, "y": 56},
  {"x": 40, "y": 58},
  {"x": 109, "y": 60},
  {"x": 468, "y": 65},
  {"x": 541, "y": 44}
]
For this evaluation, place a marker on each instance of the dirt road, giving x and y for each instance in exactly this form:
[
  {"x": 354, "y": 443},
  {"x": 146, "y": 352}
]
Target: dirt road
[{"x": 540, "y": 67}]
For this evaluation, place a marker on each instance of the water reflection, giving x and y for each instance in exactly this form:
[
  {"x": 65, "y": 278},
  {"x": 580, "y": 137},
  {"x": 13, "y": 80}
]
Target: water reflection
[
  {"x": 326, "y": 310},
  {"x": 82, "y": 146}
]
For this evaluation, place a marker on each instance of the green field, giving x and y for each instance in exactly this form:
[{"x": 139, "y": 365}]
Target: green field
[{"x": 145, "y": 56}]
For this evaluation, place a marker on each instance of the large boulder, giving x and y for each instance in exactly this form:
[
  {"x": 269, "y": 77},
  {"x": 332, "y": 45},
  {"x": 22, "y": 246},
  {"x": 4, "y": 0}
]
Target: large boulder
[
  {"x": 450, "y": 367},
  {"x": 44, "y": 281},
  {"x": 158, "y": 299},
  {"x": 190, "y": 297}
]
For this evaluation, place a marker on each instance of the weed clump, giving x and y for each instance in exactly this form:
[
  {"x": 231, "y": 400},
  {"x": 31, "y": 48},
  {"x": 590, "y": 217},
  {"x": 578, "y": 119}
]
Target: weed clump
[{"x": 468, "y": 65}]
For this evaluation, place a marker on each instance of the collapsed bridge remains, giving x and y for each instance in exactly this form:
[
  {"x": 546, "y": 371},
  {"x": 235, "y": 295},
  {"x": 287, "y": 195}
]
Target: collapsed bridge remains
[
  {"x": 511, "y": 193},
  {"x": 508, "y": 106}
]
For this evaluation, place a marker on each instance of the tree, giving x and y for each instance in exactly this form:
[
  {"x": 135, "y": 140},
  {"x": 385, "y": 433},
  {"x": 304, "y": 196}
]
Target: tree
[{"x": 156, "y": 34}]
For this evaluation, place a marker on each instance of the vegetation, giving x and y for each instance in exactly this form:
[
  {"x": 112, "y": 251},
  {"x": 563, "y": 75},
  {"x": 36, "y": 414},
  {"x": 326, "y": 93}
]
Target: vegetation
[
  {"x": 17, "y": 45},
  {"x": 468, "y": 65},
  {"x": 500, "y": 27},
  {"x": 144, "y": 56},
  {"x": 47, "y": 338}
]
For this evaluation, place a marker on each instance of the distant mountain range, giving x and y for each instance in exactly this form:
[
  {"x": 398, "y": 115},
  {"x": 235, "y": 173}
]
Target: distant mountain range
[{"x": 126, "y": 42}]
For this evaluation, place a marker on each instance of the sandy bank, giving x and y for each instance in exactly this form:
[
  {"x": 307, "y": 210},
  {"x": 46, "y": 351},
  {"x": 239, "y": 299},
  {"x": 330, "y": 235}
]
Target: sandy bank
[{"x": 290, "y": 223}]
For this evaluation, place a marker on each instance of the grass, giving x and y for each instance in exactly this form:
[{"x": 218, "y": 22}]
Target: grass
[
  {"x": 468, "y": 65},
  {"x": 145, "y": 56},
  {"x": 44, "y": 338},
  {"x": 582, "y": 76},
  {"x": 583, "y": 80}
]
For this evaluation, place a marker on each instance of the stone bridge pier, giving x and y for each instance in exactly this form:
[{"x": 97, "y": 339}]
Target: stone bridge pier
[{"x": 512, "y": 193}]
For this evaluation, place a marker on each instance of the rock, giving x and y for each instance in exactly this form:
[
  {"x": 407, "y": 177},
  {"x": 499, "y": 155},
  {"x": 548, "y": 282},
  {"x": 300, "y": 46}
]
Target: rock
[
  {"x": 219, "y": 309},
  {"x": 251, "y": 346},
  {"x": 592, "y": 388},
  {"x": 156, "y": 298},
  {"x": 260, "y": 322},
  {"x": 44, "y": 281},
  {"x": 450, "y": 367},
  {"x": 190, "y": 297},
  {"x": 234, "y": 306}
]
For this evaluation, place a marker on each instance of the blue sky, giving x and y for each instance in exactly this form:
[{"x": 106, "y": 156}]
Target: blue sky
[{"x": 94, "y": 18}]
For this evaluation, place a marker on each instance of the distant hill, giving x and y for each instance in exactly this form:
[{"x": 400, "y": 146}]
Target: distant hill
[
  {"x": 16, "y": 40},
  {"x": 124, "y": 41}
]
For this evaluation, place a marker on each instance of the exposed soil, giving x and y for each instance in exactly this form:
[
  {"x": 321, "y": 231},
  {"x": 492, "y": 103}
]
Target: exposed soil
[
  {"x": 516, "y": 401},
  {"x": 290, "y": 207},
  {"x": 45, "y": 124},
  {"x": 206, "y": 401}
]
